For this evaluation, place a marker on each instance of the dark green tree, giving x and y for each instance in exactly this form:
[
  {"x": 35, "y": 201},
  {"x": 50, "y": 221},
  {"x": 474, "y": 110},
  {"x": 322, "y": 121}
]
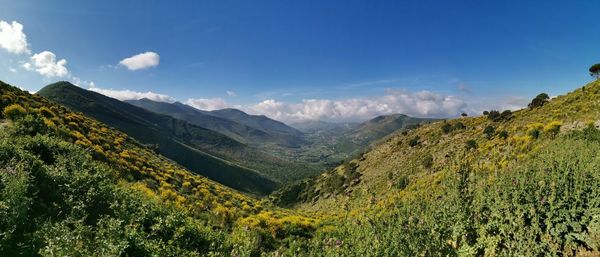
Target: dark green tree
[
  {"x": 595, "y": 71},
  {"x": 539, "y": 100}
]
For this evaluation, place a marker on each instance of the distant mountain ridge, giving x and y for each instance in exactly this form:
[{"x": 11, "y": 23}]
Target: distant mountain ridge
[
  {"x": 235, "y": 130},
  {"x": 199, "y": 149},
  {"x": 274, "y": 127}
]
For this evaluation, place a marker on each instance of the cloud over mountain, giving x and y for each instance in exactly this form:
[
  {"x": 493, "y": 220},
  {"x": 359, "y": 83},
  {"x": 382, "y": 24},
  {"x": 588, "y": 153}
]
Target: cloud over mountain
[{"x": 127, "y": 94}]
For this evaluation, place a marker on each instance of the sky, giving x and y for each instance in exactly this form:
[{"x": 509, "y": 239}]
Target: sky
[{"x": 306, "y": 60}]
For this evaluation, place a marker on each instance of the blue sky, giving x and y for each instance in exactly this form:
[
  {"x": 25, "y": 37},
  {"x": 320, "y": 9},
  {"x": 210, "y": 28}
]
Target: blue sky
[{"x": 297, "y": 60}]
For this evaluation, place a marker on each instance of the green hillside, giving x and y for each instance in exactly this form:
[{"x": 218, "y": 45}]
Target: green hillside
[
  {"x": 289, "y": 136},
  {"x": 196, "y": 148},
  {"x": 522, "y": 183},
  {"x": 232, "y": 129},
  {"x": 333, "y": 143}
]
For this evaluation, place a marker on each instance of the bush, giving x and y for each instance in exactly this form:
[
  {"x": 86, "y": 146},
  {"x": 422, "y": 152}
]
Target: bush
[
  {"x": 471, "y": 144},
  {"x": 14, "y": 111},
  {"x": 489, "y": 131},
  {"x": 494, "y": 115},
  {"x": 503, "y": 134},
  {"x": 506, "y": 115},
  {"x": 414, "y": 141},
  {"x": 446, "y": 128},
  {"x": 458, "y": 125},
  {"x": 553, "y": 128},
  {"x": 427, "y": 161}
]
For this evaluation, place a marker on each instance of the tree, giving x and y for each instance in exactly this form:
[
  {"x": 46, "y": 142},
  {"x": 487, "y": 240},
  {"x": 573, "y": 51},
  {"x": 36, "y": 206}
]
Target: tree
[
  {"x": 486, "y": 113},
  {"x": 494, "y": 115},
  {"x": 595, "y": 71},
  {"x": 464, "y": 114},
  {"x": 539, "y": 100},
  {"x": 506, "y": 115}
]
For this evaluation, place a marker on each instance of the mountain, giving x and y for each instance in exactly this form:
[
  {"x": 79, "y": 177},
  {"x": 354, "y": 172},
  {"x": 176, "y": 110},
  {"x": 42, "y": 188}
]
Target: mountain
[
  {"x": 522, "y": 183},
  {"x": 332, "y": 143},
  {"x": 199, "y": 149},
  {"x": 382, "y": 126},
  {"x": 501, "y": 184},
  {"x": 255, "y": 130},
  {"x": 291, "y": 136}
]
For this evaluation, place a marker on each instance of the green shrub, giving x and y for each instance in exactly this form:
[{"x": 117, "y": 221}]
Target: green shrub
[
  {"x": 471, "y": 144},
  {"x": 14, "y": 111},
  {"x": 414, "y": 141},
  {"x": 489, "y": 131},
  {"x": 446, "y": 128},
  {"x": 427, "y": 161}
]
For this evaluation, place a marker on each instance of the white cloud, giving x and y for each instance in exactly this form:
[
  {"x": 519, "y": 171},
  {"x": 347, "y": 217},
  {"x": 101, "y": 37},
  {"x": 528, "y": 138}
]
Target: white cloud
[
  {"x": 127, "y": 94},
  {"x": 45, "y": 63},
  {"x": 12, "y": 38},
  {"x": 420, "y": 104},
  {"x": 230, "y": 93},
  {"x": 141, "y": 61},
  {"x": 13, "y": 70},
  {"x": 208, "y": 104}
]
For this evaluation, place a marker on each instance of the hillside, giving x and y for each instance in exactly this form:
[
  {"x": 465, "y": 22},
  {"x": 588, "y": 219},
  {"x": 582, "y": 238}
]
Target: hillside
[
  {"x": 194, "y": 147},
  {"x": 522, "y": 183},
  {"x": 333, "y": 143},
  {"x": 504, "y": 184},
  {"x": 290, "y": 136},
  {"x": 232, "y": 129}
]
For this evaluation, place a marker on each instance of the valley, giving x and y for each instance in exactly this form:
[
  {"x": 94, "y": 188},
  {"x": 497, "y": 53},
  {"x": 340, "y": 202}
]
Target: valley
[{"x": 425, "y": 175}]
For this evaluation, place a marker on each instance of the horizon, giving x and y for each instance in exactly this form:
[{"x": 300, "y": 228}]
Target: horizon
[{"x": 334, "y": 61}]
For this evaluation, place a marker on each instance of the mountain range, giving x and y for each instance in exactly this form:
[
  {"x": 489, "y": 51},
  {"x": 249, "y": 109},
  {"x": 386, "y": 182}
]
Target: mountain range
[{"x": 83, "y": 173}]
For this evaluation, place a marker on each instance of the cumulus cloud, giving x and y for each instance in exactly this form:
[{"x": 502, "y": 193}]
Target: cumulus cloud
[
  {"x": 45, "y": 63},
  {"x": 127, "y": 94},
  {"x": 12, "y": 38},
  {"x": 420, "y": 104},
  {"x": 141, "y": 61},
  {"x": 208, "y": 104}
]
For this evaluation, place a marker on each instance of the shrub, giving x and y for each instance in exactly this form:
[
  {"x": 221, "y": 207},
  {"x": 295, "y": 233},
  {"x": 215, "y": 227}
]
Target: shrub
[
  {"x": 489, "y": 131},
  {"x": 506, "y": 115},
  {"x": 464, "y": 114},
  {"x": 403, "y": 182},
  {"x": 446, "y": 128},
  {"x": 470, "y": 144},
  {"x": 414, "y": 141},
  {"x": 458, "y": 125},
  {"x": 427, "y": 161},
  {"x": 46, "y": 112},
  {"x": 486, "y": 113},
  {"x": 494, "y": 115},
  {"x": 553, "y": 128},
  {"x": 14, "y": 111},
  {"x": 503, "y": 134}
]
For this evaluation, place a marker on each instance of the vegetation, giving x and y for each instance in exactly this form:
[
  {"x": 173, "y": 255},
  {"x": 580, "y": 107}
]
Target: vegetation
[
  {"x": 71, "y": 186},
  {"x": 595, "y": 71},
  {"x": 539, "y": 100}
]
